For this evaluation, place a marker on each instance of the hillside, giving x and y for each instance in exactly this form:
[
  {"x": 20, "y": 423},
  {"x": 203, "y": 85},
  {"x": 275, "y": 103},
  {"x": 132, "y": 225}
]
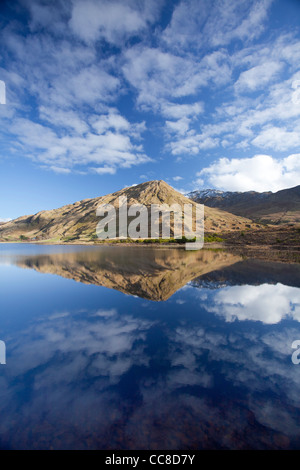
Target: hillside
[
  {"x": 282, "y": 207},
  {"x": 77, "y": 222}
]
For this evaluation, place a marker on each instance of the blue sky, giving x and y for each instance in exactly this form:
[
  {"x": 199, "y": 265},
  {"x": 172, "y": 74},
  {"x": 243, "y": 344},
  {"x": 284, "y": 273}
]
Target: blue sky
[{"x": 101, "y": 94}]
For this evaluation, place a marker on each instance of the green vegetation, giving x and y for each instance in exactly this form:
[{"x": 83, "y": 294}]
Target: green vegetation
[
  {"x": 212, "y": 238},
  {"x": 70, "y": 238},
  {"x": 169, "y": 240},
  {"x": 23, "y": 238},
  {"x": 159, "y": 241},
  {"x": 146, "y": 240}
]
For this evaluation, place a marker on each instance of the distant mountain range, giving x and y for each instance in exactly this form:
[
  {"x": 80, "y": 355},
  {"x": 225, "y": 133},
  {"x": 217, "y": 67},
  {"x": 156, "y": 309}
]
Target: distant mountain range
[
  {"x": 77, "y": 222},
  {"x": 282, "y": 207}
]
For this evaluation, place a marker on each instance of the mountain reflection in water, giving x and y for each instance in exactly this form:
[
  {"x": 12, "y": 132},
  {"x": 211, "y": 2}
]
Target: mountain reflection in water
[
  {"x": 153, "y": 274},
  {"x": 208, "y": 367}
]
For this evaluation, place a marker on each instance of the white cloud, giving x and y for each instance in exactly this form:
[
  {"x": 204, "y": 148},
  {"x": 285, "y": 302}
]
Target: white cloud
[
  {"x": 92, "y": 84},
  {"x": 106, "y": 170},
  {"x": 66, "y": 151},
  {"x": 65, "y": 119},
  {"x": 56, "y": 81},
  {"x": 106, "y": 313},
  {"x": 277, "y": 138},
  {"x": 58, "y": 169},
  {"x": 113, "y": 120},
  {"x": 33, "y": 134},
  {"x": 75, "y": 125},
  {"x": 112, "y": 20},
  {"x": 177, "y": 178},
  {"x": 258, "y": 76},
  {"x": 259, "y": 173},
  {"x": 206, "y": 59},
  {"x": 178, "y": 127},
  {"x": 214, "y": 23},
  {"x": 5, "y": 219},
  {"x": 192, "y": 144},
  {"x": 243, "y": 122},
  {"x": 252, "y": 25},
  {"x": 179, "y": 111},
  {"x": 161, "y": 76},
  {"x": 51, "y": 16},
  {"x": 265, "y": 303},
  {"x": 155, "y": 74}
]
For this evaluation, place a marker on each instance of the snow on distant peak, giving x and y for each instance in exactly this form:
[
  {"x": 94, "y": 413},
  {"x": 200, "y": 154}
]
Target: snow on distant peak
[{"x": 205, "y": 193}]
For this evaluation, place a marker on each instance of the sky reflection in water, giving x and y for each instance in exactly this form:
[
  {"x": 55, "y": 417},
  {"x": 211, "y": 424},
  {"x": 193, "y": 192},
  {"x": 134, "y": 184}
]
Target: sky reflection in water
[{"x": 201, "y": 360}]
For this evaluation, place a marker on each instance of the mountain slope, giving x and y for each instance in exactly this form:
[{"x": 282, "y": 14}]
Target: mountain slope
[
  {"x": 78, "y": 221},
  {"x": 278, "y": 208}
]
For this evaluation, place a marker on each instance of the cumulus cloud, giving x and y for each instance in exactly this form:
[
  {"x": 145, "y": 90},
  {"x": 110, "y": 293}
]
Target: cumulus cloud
[
  {"x": 259, "y": 173},
  {"x": 265, "y": 303}
]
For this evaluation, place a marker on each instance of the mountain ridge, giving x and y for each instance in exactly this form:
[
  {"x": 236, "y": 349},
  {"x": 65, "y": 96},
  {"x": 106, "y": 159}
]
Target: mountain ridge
[
  {"x": 77, "y": 222},
  {"x": 281, "y": 207}
]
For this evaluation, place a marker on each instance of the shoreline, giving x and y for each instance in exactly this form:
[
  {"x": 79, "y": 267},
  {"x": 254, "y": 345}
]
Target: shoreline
[
  {"x": 224, "y": 244},
  {"x": 267, "y": 252}
]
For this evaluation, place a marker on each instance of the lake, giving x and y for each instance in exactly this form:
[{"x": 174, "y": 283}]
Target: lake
[{"x": 147, "y": 348}]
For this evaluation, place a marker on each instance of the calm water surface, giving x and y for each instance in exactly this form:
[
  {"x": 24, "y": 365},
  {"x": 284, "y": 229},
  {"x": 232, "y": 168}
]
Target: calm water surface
[{"x": 144, "y": 348}]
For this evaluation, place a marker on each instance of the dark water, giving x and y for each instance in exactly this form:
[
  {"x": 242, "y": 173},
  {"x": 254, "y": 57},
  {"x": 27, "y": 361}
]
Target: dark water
[{"x": 142, "y": 348}]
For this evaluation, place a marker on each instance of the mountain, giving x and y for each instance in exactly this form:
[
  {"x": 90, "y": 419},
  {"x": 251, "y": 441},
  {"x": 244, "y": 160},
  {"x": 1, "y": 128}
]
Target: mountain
[
  {"x": 150, "y": 274},
  {"x": 77, "y": 222},
  {"x": 282, "y": 207}
]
